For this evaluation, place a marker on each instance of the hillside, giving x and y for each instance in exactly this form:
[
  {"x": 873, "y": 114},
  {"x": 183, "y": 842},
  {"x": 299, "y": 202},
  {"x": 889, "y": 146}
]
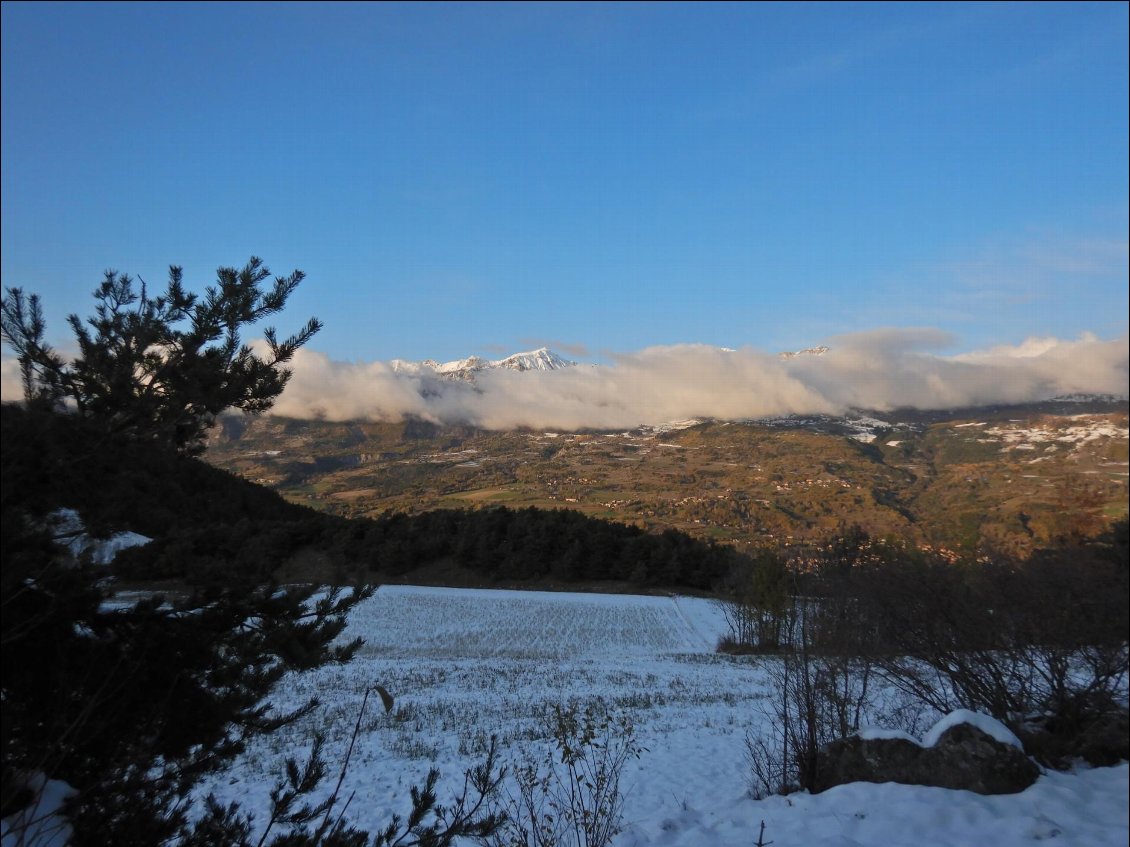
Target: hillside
[
  {"x": 1002, "y": 478},
  {"x": 212, "y": 529}
]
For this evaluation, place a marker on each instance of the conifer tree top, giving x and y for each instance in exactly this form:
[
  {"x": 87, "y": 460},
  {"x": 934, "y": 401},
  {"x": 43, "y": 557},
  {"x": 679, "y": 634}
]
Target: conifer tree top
[{"x": 163, "y": 367}]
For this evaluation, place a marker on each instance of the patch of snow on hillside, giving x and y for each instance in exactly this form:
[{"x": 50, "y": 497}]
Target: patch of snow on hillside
[
  {"x": 670, "y": 426},
  {"x": 1086, "y": 428},
  {"x": 854, "y": 425},
  {"x": 1089, "y": 398},
  {"x": 472, "y": 363},
  {"x": 67, "y": 528},
  {"x": 807, "y": 351},
  {"x": 106, "y": 550}
]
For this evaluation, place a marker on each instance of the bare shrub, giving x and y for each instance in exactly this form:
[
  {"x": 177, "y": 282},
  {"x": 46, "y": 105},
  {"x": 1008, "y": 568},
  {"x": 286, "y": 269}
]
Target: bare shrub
[
  {"x": 824, "y": 680},
  {"x": 1045, "y": 637},
  {"x": 570, "y": 795},
  {"x": 822, "y": 696},
  {"x": 1041, "y": 641}
]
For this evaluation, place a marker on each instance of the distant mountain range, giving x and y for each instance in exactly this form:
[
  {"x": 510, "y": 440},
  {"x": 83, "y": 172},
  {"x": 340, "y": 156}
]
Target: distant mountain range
[{"x": 542, "y": 359}]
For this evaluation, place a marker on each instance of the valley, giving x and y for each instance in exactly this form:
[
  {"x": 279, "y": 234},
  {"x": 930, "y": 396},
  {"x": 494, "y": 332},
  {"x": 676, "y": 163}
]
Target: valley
[{"x": 1003, "y": 479}]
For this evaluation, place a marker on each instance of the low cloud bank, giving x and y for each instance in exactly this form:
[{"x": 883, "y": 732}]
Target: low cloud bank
[{"x": 880, "y": 370}]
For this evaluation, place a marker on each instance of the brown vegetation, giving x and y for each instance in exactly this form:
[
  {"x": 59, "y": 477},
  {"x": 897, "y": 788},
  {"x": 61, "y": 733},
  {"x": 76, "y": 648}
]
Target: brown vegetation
[{"x": 1008, "y": 483}]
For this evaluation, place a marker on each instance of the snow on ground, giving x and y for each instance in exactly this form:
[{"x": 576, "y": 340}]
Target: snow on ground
[
  {"x": 1085, "y": 429},
  {"x": 40, "y": 824},
  {"x": 1086, "y": 809},
  {"x": 67, "y": 528},
  {"x": 466, "y": 664}
]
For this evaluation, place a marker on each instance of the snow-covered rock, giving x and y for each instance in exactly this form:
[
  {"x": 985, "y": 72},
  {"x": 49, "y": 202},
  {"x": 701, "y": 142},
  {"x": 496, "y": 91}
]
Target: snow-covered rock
[
  {"x": 965, "y": 750},
  {"x": 987, "y": 724}
]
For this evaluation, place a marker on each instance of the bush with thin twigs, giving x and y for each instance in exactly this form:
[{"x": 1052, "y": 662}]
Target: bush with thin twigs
[
  {"x": 570, "y": 796},
  {"x": 821, "y": 696}
]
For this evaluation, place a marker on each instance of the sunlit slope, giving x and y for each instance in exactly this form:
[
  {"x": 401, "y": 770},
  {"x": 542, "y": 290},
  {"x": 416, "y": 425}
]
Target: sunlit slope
[{"x": 1010, "y": 478}]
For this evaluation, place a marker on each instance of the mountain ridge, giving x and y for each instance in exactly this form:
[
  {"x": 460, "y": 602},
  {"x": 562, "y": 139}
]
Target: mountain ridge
[
  {"x": 541, "y": 359},
  {"x": 1005, "y": 477}
]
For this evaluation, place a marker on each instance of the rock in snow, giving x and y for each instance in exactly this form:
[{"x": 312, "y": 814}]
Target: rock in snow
[{"x": 965, "y": 750}]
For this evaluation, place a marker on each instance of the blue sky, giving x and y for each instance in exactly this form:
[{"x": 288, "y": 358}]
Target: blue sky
[{"x": 479, "y": 178}]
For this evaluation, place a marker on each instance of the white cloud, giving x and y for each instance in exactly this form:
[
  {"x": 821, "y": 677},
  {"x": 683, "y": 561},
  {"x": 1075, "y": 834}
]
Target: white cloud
[
  {"x": 11, "y": 386},
  {"x": 881, "y": 369}
]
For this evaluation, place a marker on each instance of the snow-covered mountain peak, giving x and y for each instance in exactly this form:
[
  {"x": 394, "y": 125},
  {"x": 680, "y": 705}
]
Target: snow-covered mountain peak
[
  {"x": 542, "y": 359},
  {"x": 807, "y": 351},
  {"x": 470, "y": 364}
]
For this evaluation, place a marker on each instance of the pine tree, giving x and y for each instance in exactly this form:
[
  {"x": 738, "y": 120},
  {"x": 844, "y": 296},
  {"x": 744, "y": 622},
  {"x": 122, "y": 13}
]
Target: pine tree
[
  {"x": 131, "y": 707},
  {"x": 160, "y": 367}
]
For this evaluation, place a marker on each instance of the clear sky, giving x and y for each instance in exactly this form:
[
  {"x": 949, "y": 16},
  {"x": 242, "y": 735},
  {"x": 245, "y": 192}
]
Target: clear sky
[{"x": 480, "y": 178}]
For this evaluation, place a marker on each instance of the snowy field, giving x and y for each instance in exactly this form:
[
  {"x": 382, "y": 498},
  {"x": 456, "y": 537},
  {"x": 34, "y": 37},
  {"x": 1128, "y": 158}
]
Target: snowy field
[{"x": 466, "y": 664}]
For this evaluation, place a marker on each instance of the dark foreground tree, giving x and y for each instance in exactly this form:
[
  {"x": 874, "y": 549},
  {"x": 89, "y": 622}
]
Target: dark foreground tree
[
  {"x": 131, "y": 704},
  {"x": 160, "y": 367}
]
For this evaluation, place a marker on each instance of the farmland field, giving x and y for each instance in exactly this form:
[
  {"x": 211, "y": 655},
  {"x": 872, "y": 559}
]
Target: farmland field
[{"x": 466, "y": 664}]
